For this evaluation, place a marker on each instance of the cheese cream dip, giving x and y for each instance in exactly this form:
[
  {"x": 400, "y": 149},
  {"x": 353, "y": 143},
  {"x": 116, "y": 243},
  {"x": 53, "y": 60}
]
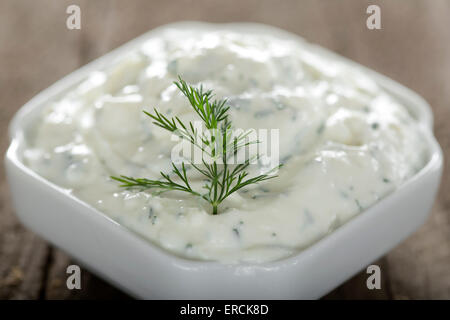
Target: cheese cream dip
[{"x": 344, "y": 141}]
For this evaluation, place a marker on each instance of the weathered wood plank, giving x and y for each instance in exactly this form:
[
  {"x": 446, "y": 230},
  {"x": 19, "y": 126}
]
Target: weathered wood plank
[{"x": 29, "y": 63}]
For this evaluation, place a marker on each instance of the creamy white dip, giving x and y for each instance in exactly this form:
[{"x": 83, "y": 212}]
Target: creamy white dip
[{"x": 344, "y": 141}]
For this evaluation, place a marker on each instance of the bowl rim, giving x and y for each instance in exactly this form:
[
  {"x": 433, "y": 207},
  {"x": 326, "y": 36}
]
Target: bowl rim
[{"x": 422, "y": 112}]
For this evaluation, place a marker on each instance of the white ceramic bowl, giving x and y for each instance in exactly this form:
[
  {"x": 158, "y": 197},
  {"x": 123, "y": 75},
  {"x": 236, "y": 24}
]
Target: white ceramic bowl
[{"x": 146, "y": 271}]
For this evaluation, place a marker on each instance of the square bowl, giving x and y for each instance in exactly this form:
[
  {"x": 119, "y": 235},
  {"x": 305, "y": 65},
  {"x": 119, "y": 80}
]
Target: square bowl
[{"x": 145, "y": 271}]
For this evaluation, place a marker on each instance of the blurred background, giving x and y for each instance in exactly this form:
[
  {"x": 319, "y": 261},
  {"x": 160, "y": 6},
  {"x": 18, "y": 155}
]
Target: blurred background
[{"x": 413, "y": 48}]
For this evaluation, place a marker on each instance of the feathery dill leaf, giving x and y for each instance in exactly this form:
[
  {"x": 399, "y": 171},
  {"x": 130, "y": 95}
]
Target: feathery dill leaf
[{"x": 222, "y": 178}]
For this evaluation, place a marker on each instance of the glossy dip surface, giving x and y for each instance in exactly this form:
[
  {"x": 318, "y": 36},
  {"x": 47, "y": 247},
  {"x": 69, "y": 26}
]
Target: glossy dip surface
[{"x": 345, "y": 143}]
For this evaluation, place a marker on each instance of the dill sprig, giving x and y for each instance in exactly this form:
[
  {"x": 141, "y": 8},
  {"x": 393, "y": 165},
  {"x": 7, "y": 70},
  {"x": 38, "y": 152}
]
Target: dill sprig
[{"x": 222, "y": 178}]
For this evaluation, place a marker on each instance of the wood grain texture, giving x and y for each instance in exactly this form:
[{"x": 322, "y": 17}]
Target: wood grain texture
[{"x": 413, "y": 48}]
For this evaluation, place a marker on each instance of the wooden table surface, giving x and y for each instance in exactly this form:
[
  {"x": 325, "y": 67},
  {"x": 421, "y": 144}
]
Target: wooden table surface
[{"x": 413, "y": 47}]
